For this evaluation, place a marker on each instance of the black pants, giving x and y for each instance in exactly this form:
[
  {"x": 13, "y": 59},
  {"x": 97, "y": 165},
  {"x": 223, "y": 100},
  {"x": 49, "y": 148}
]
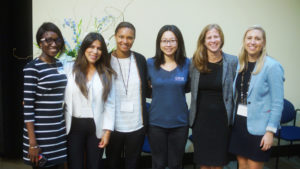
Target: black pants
[
  {"x": 131, "y": 143},
  {"x": 82, "y": 140},
  {"x": 167, "y": 146}
]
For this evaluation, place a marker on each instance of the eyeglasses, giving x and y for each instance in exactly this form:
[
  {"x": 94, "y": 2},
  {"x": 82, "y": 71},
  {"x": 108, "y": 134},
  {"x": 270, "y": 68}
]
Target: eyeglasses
[
  {"x": 171, "y": 42},
  {"x": 50, "y": 41}
]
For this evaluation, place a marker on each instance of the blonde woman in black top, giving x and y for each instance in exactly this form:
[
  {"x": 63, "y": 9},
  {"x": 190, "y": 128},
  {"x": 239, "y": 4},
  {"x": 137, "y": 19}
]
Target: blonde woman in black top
[{"x": 212, "y": 73}]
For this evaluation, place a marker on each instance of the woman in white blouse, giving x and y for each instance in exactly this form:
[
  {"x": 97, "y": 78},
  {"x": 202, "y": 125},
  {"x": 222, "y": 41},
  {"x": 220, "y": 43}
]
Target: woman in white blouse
[
  {"x": 131, "y": 87},
  {"x": 89, "y": 103}
]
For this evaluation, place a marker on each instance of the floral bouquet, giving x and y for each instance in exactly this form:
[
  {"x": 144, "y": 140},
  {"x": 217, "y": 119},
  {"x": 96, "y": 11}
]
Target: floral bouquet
[{"x": 100, "y": 25}]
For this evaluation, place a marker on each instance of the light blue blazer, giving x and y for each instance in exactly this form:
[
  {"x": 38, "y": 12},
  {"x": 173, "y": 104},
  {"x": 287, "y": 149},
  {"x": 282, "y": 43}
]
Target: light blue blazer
[{"x": 265, "y": 98}]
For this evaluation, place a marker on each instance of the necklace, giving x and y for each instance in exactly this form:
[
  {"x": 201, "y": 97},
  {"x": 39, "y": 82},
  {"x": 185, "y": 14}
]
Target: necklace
[
  {"x": 244, "y": 95},
  {"x": 51, "y": 64},
  {"x": 123, "y": 79},
  {"x": 244, "y": 100},
  {"x": 220, "y": 62}
]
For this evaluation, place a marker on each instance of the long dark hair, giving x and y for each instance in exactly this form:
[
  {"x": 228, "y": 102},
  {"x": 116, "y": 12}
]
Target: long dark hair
[
  {"x": 180, "y": 54},
  {"x": 102, "y": 65}
]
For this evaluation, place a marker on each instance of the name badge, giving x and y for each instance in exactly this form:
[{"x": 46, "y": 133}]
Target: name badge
[
  {"x": 60, "y": 70},
  {"x": 126, "y": 106},
  {"x": 242, "y": 110}
]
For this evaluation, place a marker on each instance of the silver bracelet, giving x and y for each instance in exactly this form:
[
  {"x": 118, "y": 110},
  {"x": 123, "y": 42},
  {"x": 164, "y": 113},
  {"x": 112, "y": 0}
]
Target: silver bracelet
[{"x": 34, "y": 147}]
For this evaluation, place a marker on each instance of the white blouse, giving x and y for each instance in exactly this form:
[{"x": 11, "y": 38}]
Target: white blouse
[
  {"x": 77, "y": 105},
  {"x": 82, "y": 106},
  {"x": 128, "y": 105}
]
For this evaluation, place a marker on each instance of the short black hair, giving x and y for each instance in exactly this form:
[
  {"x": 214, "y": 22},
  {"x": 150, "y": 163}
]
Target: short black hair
[
  {"x": 125, "y": 25},
  {"x": 180, "y": 54},
  {"x": 46, "y": 27}
]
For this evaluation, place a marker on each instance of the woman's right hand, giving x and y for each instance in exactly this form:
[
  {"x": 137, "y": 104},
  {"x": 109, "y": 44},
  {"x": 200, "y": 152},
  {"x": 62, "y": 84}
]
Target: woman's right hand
[
  {"x": 33, "y": 154},
  {"x": 267, "y": 141},
  {"x": 105, "y": 139},
  {"x": 34, "y": 149}
]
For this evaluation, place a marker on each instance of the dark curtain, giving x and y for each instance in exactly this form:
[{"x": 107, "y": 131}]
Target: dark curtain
[{"x": 16, "y": 46}]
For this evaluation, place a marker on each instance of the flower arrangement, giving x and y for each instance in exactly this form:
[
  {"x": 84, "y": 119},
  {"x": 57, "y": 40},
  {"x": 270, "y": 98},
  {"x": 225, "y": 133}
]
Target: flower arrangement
[
  {"x": 76, "y": 28},
  {"x": 100, "y": 25}
]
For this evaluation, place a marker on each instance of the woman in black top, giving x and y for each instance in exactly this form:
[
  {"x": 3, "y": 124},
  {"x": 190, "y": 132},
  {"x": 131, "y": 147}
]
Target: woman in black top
[
  {"x": 212, "y": 72},
  {"x": 44, "y": 86}
]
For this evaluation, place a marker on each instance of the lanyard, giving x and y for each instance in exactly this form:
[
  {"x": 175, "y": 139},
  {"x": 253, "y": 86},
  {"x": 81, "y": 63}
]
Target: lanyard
[
  {"x": 244, "y": 99},
  {"x": 125, "y": 84}
]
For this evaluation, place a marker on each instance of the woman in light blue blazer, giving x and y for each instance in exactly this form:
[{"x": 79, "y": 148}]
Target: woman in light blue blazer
[{"x": 258, "y": 93}]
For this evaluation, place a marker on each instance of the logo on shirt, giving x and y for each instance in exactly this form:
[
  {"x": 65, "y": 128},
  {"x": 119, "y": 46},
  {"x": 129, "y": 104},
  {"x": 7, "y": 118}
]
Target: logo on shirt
[{"x": 179, "y": 78}]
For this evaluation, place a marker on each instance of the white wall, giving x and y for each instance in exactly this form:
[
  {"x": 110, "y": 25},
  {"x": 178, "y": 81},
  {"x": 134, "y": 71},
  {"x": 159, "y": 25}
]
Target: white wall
[{"x": 280, "y": 18}]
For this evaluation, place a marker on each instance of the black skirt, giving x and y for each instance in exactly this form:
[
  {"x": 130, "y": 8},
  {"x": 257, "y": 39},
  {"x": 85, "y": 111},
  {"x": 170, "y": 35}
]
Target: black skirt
[
  {"x": 211, "y": 131},
  {"x": 244, "y": 144}
]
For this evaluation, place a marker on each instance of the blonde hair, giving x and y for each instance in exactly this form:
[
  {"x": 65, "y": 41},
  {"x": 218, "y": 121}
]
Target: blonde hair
[
  {"x": 200, "y": 57},
  {"x": 243, "y": 56}
]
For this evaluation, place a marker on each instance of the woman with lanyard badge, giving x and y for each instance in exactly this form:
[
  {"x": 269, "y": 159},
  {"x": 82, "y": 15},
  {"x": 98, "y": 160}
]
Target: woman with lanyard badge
[
  {"x": 258, "y": 92},
  {"x": 131, "y": 117}
]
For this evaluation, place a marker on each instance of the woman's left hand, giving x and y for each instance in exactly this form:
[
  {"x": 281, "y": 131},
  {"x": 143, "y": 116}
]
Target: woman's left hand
[
  {"x": 105, "y": 139},
  {"x": 267, "y": 141}
]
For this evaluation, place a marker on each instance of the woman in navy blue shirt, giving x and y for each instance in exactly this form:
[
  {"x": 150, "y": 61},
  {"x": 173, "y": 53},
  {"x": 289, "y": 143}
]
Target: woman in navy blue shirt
[{"x": 168, "y": 116}]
